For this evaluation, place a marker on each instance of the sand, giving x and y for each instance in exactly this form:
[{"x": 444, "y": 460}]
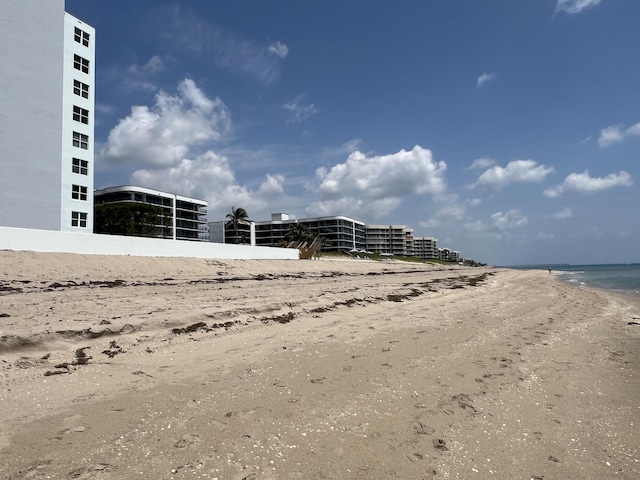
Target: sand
[{"x": 149, "y": 368}]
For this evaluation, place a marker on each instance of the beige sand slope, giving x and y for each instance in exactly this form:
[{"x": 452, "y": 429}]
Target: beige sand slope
[{"x": 145, "y": 368}]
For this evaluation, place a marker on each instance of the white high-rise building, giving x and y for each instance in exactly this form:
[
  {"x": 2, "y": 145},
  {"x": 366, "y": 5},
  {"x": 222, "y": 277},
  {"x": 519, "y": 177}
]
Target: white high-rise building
[{"x": 47, "y": 99}]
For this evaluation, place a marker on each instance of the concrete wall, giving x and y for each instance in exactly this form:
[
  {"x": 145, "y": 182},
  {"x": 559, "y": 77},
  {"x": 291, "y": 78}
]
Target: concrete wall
[
  {"x": 68, "y": 242},
  {"x": 31, "y": 51}
]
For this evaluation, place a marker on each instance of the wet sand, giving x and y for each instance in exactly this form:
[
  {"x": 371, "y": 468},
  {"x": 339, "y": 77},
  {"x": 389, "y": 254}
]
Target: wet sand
[{"x": 128, "y": 367}]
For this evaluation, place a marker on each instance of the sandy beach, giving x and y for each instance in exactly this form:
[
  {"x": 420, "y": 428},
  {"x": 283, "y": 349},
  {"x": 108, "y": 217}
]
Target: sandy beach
[{"x": 159, "y": 368}]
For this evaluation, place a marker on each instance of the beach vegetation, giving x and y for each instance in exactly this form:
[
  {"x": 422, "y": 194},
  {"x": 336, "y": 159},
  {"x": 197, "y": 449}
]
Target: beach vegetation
[
  {"x": 299, "y": 232},
  {"x": 238, "y": 216},
  {"x": 131, "y": 219}
]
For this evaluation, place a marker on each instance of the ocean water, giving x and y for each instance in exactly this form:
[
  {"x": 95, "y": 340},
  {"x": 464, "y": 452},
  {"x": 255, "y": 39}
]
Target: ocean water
[{"x": 623, "y": 278}]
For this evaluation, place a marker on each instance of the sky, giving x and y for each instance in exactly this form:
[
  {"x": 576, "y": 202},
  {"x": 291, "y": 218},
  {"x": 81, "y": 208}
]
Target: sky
[{"x": 508, "y": 130}]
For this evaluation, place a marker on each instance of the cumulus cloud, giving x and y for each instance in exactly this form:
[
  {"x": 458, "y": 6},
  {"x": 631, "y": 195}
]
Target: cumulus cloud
[
  {"x": 517, "y": 171},
  {"x": 484, "y": 79},
  {"x": 164, "y": 134},
  {"x": 209, "y": 176},
  {"x": 575, "y": 6},
  {"x": 372, "y": 186},
  {"x": 584, "y": 183},
  {"x": 482, "y": 163},
  {"x": 298, "y": 111},
  {"x": 509, "y": 220},
  {"x": 616, "y": 134}
]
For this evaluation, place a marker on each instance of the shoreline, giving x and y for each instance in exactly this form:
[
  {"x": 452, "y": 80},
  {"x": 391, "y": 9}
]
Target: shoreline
[{"x": 316, "y": 369}]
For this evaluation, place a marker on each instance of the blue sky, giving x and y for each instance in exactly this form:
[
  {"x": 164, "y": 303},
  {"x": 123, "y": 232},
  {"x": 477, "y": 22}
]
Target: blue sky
[{"x": 508, "y": 130}]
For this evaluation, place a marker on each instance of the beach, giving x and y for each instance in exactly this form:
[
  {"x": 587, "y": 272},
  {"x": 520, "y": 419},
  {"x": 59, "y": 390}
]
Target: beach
[{"x": 176, "y": 368}]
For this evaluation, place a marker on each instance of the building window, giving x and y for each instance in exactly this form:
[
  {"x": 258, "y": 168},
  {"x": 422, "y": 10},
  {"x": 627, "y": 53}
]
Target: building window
[
  {"x": 80, "y": 63},
  {"x": 81, "y": 89},
  {"x": 81, "y": 36},
  {"x": 80, "y": 140},
  {"x": 79, "y": 219},
  {"x": 81, "y": 115},
  {"x": 79, "y": 192},
  {"x": 80, "y": 166}
]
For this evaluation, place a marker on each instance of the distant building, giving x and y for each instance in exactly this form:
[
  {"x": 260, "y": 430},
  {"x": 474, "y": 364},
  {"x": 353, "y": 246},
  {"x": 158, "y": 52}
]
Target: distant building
[
  {"x": 425, "y": 248},
  {"x": 448, "y": 255},
  {"x": 340, "y": 233},
  {"x": 180, "y": 218},
  {"x": 224, "y": 232},
  {"x": 47, "y": 96},
  {"x": 389, "y": 239}
]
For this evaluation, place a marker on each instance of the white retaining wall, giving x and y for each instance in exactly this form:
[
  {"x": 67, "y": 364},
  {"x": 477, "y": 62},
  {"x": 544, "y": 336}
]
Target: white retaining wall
[{"x": 85, "y": 243}]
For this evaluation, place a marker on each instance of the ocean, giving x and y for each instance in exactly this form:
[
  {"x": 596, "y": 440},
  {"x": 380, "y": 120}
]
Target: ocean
[{"x": 623, "y": 278}]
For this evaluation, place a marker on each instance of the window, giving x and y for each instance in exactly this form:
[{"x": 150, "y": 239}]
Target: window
[
  {"x": 79, "y": 219},
  {"x": 80, "y": 140},
  {"x": 81, "y": 89},
  {"x": 79, "y": 192},
  {"x": 81, "y": 36},
  {"x": 80, "y": 63},
  {"x": 81, "y": 115},
  {"x": 80, "y": 166}
]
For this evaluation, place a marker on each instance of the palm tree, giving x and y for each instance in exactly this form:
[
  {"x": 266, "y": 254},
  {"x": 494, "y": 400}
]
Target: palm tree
[
  {"x": 237, "y": 216},
  {"x": 298, "y": 232}
]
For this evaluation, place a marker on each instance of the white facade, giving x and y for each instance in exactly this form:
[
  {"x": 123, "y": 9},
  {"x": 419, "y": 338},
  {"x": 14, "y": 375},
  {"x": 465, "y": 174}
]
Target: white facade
[
  {"x": 37, "y": 48},
  {"x": 78, "y": 94}
]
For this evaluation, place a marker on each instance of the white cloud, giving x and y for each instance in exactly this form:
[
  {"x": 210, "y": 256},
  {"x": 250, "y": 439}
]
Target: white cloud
[
  {"x": 562, "y": 214},
  {"x": 575, "y": 6},
  {"x": 298, "y": 111},
  {"x": 473, "y": 202},
  {"x": 372, "y": 186},
  {"x": 279, "y": 49},
  {"x": 209, "y": 176},
  {"x": 517, "y": 171},
  {"x": 509, "y": 220},
  {"x": 164, "y": 134},
  {"x": 484, "y": 79},
  {"x": 481, "y": 163},
  {"x": 616, "y": 134},
  {"x": 584, "y": 183}
]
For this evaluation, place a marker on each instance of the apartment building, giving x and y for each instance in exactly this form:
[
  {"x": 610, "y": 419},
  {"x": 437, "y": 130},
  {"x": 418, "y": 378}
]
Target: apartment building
[
  {"x": 341, "y": 233},
  {"x": 448, "y": 255},
  {"x": 178, "y": 217},
  {"x": 46, "y": 117},
  {"x": 389, "y": 239},
  {"x": 425, "y": 248}
]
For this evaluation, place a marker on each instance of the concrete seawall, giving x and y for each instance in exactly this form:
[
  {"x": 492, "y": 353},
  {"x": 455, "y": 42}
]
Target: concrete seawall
[{"x": 85, "y": 243}]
